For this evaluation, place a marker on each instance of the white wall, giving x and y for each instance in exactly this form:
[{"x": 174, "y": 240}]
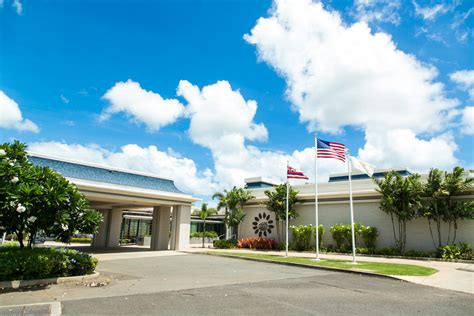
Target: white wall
[{"x": 368, "y": 213}]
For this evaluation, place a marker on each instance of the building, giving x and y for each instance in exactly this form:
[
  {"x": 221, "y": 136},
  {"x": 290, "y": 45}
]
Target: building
[
  {"x": 334, "y": 208},
  {"x": 126, "y": 198}
]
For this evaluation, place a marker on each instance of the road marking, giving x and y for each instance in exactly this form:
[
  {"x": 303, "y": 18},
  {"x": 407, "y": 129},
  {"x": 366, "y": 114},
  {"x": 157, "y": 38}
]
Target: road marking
[{"x": 54, "y": 308}]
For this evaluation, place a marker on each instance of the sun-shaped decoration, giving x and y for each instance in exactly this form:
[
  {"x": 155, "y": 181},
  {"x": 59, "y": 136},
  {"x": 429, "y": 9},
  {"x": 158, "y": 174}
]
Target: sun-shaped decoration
[{"x": 263, "y": 225}]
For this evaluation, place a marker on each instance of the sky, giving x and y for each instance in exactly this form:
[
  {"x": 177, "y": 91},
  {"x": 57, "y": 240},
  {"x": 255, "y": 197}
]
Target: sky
[{"x": 209, "y": 93}]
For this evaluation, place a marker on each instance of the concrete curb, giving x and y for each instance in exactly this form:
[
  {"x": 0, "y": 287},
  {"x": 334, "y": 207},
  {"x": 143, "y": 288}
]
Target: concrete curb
[
  {"x": 301, "y": 265},
  {"x": 23, "y": 283}
]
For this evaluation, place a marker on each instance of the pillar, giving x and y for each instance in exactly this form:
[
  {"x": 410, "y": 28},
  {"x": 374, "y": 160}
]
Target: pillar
[
  {"x": 115, "y": 228},
  {"x": 160, "y": 228},
  {"x": 182, "y": 226},
  {"x": 100, "y": 238}
]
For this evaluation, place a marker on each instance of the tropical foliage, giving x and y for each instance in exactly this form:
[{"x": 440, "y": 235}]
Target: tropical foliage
[
  {"x": 233, "y": 202},
  {"x": 401, "y": 199},
  {"x": 203, "y": 214},
  {"x": 441, "y": 205},
  {"x": 42, "y": 263},
  {"x": 276, "y": 203},
  {"x": 257, "y": 243},
  {"x": 304, "y": 236},
  {"x": 34, "y": 199}
]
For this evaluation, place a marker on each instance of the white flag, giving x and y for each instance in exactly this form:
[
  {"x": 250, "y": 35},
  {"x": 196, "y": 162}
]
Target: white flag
[{"x": 362, "y": 166}]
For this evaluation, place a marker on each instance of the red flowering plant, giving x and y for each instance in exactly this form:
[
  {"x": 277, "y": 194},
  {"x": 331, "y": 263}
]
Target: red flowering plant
[{"x": 257, "y": 243}]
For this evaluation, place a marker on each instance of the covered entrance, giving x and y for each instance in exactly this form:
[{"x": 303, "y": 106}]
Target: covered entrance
[{"x": 118, "y": 194}]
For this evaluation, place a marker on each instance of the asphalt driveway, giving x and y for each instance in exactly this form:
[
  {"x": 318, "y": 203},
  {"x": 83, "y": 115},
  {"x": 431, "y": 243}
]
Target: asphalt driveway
[{"x": 190, "y": 284}]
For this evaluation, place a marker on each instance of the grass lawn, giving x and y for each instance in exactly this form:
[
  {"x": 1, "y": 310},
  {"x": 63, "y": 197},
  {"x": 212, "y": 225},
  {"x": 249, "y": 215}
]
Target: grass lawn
[{"x": 376, "y": 267}]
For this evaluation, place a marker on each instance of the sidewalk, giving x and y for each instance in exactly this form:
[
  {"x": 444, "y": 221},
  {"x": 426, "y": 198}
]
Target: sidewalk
[{"x": 449, "y": 276}]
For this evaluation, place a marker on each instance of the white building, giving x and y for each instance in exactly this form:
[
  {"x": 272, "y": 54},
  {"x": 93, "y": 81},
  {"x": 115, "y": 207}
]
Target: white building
[
  {"x": 113, "y": 191},
  {"x": 334, "y": 209}
]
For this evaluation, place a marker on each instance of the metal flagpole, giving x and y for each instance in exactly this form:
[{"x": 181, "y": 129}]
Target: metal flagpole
[
  {"x": 349, "y": 170},
  {"x": 287, "y": 206},
  {"x": 316, "y": 193}
]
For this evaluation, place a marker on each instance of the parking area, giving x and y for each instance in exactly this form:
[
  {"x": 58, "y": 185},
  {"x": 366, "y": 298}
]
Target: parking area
[{"x": 177, "y": 283}]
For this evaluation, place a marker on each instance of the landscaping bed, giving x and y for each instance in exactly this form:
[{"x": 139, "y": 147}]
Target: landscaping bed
[
  {"x": 361, "y": 266},
  {"x": 43, "y": 263}
]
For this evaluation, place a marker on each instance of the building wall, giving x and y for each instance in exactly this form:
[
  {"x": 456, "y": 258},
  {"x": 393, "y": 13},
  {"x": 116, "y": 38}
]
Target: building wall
[{"x": 367, "y": 212}]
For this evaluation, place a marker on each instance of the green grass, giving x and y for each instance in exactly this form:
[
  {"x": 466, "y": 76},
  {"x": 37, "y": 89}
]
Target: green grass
[{"x": 375, "y": 267}]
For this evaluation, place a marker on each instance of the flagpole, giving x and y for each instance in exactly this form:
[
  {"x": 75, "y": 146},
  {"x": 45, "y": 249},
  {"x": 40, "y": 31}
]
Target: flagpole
[
  {"x": 316, "y": 211},
  {"x": 287, "y": 206},
  {"x": 349, "y": 170}
]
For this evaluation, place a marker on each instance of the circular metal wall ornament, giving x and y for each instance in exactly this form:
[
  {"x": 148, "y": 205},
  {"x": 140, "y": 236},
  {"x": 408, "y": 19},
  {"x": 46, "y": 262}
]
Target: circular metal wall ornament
[{"x": 262, "y": 225}]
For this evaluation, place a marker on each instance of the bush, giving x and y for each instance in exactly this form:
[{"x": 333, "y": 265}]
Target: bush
[
  {"x": 341, "y": 233},
  {"x": 454, "y": 252},
  {"x": 209, "y": 234},
  {"x": 303, "y": 236},
  {"x": 42, "y": 263},
  {"x": 82, "y": 240},
  {"x": 258, "y": 243},
  {"x": 369, "y": 234},
  {"x": 224, "y": 243}
]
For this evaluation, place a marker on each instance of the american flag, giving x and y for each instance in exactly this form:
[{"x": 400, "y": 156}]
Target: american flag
[
  {"x": 292, "y": 173},
  {"x": 331, "y": 150}
]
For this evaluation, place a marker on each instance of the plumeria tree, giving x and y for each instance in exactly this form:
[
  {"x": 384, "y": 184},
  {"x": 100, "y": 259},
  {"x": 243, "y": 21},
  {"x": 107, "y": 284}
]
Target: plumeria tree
[{"x": 34, "y": 199}]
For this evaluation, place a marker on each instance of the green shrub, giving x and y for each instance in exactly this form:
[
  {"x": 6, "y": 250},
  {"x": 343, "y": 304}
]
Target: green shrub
[
  {"x": 369, "y": 234},
  {"x": 341, "y": 233},
  {"x": 82, "y": 240},
  {"x": 454, "y": 252},
  {"x": 41, "y": 263},
  {"x": 392, "y": 251},
  {"x": 209, "y": 234},
  {"x": 224, "y": 243},
  {"x": 304, "y": 236}
]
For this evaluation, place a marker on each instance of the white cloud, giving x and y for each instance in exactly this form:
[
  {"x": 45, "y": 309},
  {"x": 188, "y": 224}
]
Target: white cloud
[
  {"x": 149, "y": 159},
  {"x": 64, "y": 99},
  {"x": 467, "y": 121},
  {"x": 18, "y": 6},
  {"x": 465, "y": 80},
  {"x": 141, "y": 105},
  {"x": 218, "y": 112},
  {"x": 342, "y": 75},
  {"x": 430, "y": 13},
  {"x": 377, "y": 11},
  {"x": 11, "y": 117}
]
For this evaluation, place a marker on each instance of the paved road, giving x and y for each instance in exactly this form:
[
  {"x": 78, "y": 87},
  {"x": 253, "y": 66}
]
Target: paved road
[{"x": 205, "y": 285}]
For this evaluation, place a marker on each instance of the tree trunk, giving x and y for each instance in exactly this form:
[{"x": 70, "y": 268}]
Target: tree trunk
[
  {"x": 227, "y": 228},
  {"x": 203, "y": 232},
  {"x": 278, "y": 228},
  {"x": 20, "y": 239},
  {"x": 393, "y": 226},
  {"x": 455, "y": 230},
  {"x": 449, "y": 232},
  {"x": 431, "y": 233}
]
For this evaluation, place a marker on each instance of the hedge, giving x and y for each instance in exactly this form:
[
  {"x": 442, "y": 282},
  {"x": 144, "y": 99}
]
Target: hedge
[{"x": 42, "y": 263}]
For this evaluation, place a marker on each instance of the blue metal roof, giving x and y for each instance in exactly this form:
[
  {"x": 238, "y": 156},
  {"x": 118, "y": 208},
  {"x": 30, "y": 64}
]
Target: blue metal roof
[
  {"x": 98, "y": 174},
  {"x": 258, "y": 185}
]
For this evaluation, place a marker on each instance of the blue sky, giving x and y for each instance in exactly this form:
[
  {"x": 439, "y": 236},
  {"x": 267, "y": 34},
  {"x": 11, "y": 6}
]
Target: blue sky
[{"x": 59, "y": 59}]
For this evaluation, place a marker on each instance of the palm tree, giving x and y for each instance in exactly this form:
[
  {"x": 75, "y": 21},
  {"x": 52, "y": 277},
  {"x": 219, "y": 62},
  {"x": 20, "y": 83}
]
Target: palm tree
[
  {"x": 455, "y": 183},
  {"x": 401, "y": 199},
  {"x": 233, "y": 202},
  {"x": 204, "y": 213}
]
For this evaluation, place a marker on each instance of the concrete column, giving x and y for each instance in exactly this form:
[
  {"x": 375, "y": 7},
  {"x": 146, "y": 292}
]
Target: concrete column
[
  {"x": 100, "y": 239},
  {"x": 183, "y": 226},
  {"x": 173, "y": 228},
  {"x": 115, "y": 228},
  {"x": 160, "y": 228}
]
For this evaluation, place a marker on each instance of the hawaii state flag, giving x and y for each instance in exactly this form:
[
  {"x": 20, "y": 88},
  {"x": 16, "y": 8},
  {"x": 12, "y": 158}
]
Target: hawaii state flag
[{"x": 292, "y": 173}]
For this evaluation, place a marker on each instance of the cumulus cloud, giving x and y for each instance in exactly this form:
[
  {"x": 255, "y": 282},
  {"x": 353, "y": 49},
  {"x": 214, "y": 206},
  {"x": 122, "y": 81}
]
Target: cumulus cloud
[
  {"x": 11, "y": 117},
  {"x": 141, "y": 105},
  {"x": 377, "y": 11},
  {"x": 467, "y": 121},
  {"x": 149, "y": 159},
  {"x": 465, "y": 80},
  {"x": 342, "y": 75}
]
